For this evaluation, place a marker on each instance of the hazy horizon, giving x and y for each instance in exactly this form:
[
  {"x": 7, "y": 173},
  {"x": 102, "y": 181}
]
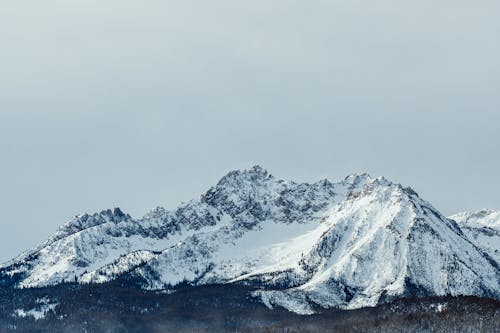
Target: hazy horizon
[{"x": 137, "y": 104}]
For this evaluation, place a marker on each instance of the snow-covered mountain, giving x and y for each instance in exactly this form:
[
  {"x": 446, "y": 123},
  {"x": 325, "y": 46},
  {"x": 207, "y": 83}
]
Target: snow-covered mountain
[
  {"x": 483, "y": 229},
  {"x": 351, "y": 244}
]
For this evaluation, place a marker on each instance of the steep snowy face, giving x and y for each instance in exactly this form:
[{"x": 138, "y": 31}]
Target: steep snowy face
[
  {"x": 385, "y": 242},
  {"x": 483, "y": 229}
]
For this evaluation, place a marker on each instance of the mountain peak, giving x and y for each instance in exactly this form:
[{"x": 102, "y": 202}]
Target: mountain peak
[
  {"x": 483, "y": 217},
  {"x": 254, "y": 174},
  {"x": 84, "y": 221},
  {"x": 355, "y": 179}
]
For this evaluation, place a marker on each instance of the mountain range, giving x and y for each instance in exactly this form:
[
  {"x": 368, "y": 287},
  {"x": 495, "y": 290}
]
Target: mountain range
[{"x": 303, "y": 248}]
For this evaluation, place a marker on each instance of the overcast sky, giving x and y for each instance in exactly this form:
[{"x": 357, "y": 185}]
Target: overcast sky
[{"x": 144, "y": 103}]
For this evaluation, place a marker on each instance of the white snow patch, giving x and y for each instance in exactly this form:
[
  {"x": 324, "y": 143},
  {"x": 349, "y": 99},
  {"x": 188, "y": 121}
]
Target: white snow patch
[
  {"x": 293, "y": 302},
  {"x": 38, "y": 312}
]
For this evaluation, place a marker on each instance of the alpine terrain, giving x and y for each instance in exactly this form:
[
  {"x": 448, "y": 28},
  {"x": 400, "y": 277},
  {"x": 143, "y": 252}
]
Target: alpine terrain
[{"x": 257, "y": 253}]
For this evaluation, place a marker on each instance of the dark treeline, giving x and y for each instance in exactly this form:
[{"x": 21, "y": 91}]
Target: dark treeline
[{"x": 117, "y": 308}]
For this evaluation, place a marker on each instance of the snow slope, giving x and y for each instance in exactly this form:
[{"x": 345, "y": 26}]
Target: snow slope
[
  {"x": 483, "y": 229},
  {"x": 385, "y": 242},
  {"x": 349, "y": 244}
]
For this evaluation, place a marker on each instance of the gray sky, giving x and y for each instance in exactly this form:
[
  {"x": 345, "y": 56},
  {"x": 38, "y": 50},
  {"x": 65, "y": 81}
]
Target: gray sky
[{"x": 144, "y": 103}]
